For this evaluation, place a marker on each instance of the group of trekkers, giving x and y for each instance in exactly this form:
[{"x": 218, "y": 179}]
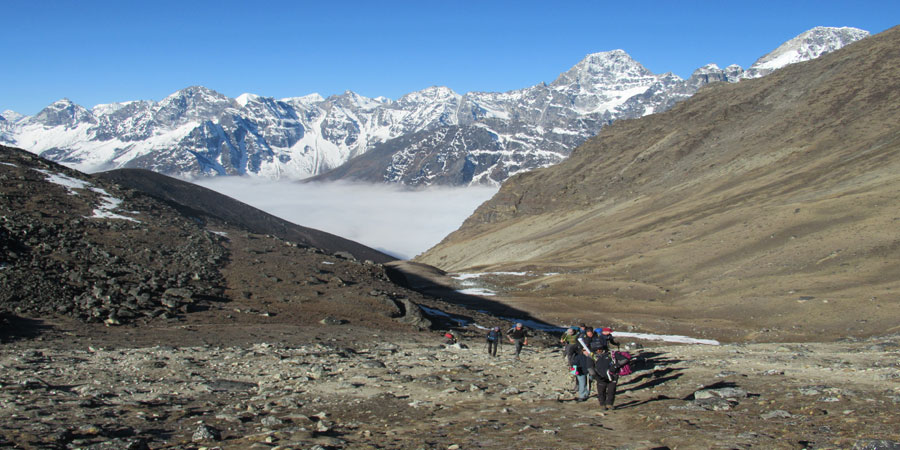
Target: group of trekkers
[{"x": 588, "y": 358}]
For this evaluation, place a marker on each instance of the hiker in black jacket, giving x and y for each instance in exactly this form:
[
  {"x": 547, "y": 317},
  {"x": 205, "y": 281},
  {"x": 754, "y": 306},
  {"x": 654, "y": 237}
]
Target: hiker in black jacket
[
  {"x": 519, "y": 337},
  {"x": 606, "y": 338},
  {"x": 590, "y": 341},
  {"x": 606, "y": 374}
]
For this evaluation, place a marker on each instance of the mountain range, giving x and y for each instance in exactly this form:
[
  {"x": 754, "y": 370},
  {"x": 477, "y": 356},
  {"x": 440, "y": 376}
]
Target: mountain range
[
  {"x": 763, "y": 209},
  {"x": 432, "y": 136}
]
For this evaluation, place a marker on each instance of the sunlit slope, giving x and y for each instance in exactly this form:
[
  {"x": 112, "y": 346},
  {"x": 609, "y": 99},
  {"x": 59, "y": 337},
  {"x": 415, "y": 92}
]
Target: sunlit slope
[{"x": 772, "y": 201}]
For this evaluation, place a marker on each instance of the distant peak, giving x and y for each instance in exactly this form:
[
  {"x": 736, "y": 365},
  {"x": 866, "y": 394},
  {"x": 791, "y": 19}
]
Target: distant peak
[
  {"x": 709, "y": 68},
  {"x": 808, "y": 45},
  {"x": 195, "y": 91},
  {"x": 603, "y": 68},
  {"x": 246, "y": 98},
  {"x": 308, "y": 99},
  {"x": 432, "y": 92}
]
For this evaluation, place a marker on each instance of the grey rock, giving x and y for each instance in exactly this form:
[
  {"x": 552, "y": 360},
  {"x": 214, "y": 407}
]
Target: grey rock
[
  {"x": 512, "y": 390},
  {"x": 728, "y": 393},
  {"x": 329, "y": 320},
  {"x": 714, "y": 404},
  {"x": 271, "y": 421},
  {"x": 206, "y": 433},
  {"x": 876, "y": 444},
  {"x": 776, "y": 414}
]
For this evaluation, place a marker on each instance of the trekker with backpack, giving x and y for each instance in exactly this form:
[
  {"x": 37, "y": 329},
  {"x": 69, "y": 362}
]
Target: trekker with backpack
[
  {"x": 493, "y": 340},
  {"x": 570, "y": 344},
  {"x": 449, "y": 338},
  {"x": 606, "y": 371},
  {"x": 570, "y": 341},
  {"x": 606, "y": 338},
  {"x": 519, "y": 337},
  {"x": 590, "y": 341}
]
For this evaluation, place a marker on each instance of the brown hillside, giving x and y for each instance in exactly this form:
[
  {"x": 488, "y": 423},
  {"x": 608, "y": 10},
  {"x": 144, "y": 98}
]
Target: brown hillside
[{"x": 766, "y": 204}]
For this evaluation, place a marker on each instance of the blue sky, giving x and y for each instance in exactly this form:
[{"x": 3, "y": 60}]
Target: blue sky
[{"x": 107, "y": 51}]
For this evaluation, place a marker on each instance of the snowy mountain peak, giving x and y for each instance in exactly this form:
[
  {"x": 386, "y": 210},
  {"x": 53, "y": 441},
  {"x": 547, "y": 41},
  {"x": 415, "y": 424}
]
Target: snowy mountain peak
[
  {"x": 12, "y": 116},
  {"x": 65, "y": 113},
  {"x": 806, "y": 46},
  {"x": 306, "y": 100},
  {"x": 245, "y": 98},
  {"x": 195, "y": 102},
  {"x": 350, "y": 99},
  {"x": 439, "y": 94},
  {"x": 709, "y": 68},
  {"x": 603, "y": 68}
]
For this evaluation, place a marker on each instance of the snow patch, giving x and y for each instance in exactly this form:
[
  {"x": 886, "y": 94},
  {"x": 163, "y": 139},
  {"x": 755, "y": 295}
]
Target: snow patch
[
  {"x": 65, "y": 181},
  {"x": 108, "y": 204},
  {"x": 481, "y": 292}
]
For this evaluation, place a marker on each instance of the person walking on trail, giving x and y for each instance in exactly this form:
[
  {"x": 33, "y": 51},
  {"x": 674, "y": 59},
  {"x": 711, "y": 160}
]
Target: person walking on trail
[
  {"x": 583, "y": 365},
  {"x": 590, "y": 341},
  {"x": 606, "y": 374},
  {"x": 570, "y": 344},
  {"x": 519, "y": 337},
  {"x": 582, "y": 329},
  {"x": 606, "y": 338},
  {"x": 493, "y": 341}
]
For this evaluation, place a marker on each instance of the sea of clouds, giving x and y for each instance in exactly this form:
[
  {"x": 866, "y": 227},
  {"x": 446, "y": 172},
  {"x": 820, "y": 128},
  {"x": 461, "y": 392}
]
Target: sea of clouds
[{"x": 399, "y": 221}]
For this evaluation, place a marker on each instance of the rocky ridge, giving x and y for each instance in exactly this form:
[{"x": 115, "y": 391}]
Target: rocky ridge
[
  {"x": 432, "y": 136},
  {"x": 83, "y": 247}
]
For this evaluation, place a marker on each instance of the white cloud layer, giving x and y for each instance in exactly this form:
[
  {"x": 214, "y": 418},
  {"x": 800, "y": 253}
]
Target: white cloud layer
[{"x": 399, "y": 221}]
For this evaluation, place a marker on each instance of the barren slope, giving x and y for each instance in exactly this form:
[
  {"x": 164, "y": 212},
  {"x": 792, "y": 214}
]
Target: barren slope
[{"x": 771, "y": 204}]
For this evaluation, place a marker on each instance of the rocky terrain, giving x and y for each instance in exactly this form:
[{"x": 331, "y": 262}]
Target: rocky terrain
[
  {"x": 90, "y": 387},
  {"x": 760, "y": 210}
]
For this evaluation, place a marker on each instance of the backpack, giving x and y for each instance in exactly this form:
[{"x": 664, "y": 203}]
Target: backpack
[
  {"x": 493, "y": 335},
  {"x": 622, "y": 360}
]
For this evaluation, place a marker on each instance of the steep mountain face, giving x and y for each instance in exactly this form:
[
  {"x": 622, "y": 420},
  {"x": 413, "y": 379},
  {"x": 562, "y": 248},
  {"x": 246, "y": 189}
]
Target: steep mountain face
[
  {"x": 460, "y": 139},
  {"x": 766, "y": 204}
]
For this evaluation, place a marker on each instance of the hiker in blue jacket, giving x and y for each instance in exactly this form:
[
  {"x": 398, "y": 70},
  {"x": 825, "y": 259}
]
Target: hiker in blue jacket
[{"x": 493, "y": 340}]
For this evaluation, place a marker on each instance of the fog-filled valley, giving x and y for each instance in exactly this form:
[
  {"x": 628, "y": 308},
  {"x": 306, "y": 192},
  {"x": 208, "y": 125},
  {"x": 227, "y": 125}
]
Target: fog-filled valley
[{"x": 399, "y": 221}]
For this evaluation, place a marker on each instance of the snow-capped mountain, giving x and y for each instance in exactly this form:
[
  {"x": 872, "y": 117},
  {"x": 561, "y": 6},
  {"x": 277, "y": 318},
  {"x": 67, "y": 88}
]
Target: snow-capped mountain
[
  {"x": 432, "y": 136},
  {"x": 807, "y": 46}
]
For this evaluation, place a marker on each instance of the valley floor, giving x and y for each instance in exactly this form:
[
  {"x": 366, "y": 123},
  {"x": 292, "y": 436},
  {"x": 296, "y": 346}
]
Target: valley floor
[{"x": 87, "y": 386}]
